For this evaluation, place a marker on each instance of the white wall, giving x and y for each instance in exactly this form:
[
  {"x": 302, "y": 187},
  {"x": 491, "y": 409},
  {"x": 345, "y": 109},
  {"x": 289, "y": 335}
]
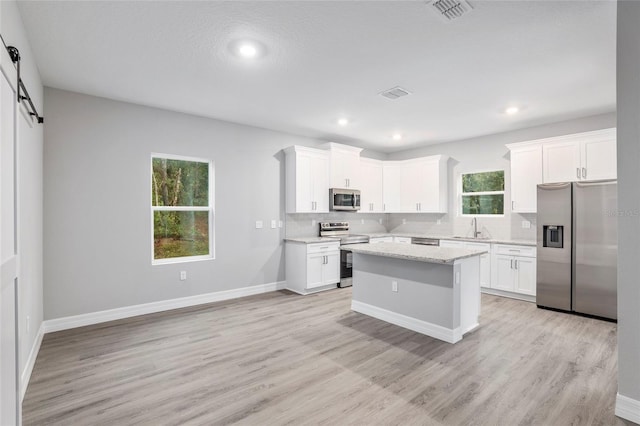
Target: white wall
[
  {"x": 628, "y": 83},
  {"x": 29, "y": 152},
  {"x": 486, "y": 153},
  {"x": 97, "y": 225}
]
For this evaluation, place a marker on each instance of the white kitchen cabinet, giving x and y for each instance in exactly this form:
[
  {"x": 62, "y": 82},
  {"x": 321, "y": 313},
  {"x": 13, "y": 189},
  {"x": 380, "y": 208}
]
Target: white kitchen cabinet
[
  {"x": 402, "y": 240},
  {"x": 307, "y": 180},
  {"x": 526, "y": 175},
  {"x": 580, "y": 157},
  {"x": 391, "y": 185},
  {"x": 514, "y": 269},
  {"x": 370, "y": 182},
  {"x": 485, "y": 259},
  {"x": 344, "y": 165},
  {"x": 418, "y": 185},
  {"x": 312, "y": 267},
  {"x": 376, "y": 240}
]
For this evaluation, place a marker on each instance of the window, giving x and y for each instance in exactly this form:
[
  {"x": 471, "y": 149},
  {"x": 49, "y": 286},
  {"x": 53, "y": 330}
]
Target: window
[
  {"x": 181, "y": 208},
  {"x": 483, "y": 193}
]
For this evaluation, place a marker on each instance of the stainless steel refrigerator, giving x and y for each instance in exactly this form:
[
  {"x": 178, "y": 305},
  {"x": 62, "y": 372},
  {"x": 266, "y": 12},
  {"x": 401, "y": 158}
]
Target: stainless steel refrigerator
[{"x": 577, "y": 256}]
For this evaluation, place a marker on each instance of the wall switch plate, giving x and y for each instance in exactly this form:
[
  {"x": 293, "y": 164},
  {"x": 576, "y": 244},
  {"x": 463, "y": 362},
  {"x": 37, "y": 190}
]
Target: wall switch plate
[
  {"x": 183, "y": 275},
  {"x": 404, "y": 221},
  {"x": 273, "y": 224},
  {"x": 380, "y": 221},
  {"x": 258, "y": 224},
  {"x": 313, "y": 222},
  {"x": 526, "y": 224},
  {"x": 438, "y": 222},
  {"x": 394, "y": 286},
  {"x": 279, "y": 224},
  {"x": 361, "y": 221}
]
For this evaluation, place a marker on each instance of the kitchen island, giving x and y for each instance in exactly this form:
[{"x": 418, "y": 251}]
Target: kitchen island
[{"x": 431, "y": 290}]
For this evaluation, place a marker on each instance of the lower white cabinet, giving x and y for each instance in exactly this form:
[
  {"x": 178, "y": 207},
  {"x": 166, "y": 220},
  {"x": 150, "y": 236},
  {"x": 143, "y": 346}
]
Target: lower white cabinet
[
  {"x": 485, "y": 259},
  {"x": 376, "y": 240},
  {"x": 514, "y": 269},
  {"x": 312, "y": 267},
  {"x": 402, "y": 240}
]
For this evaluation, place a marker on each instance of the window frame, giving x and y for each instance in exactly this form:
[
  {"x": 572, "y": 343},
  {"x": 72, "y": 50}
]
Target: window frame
[
  {"x": 209, "y": 208},
  {"x": 462, "y": 194}
]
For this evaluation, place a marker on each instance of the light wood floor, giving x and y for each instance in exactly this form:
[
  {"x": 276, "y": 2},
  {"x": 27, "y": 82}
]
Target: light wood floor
[{"x": 281, "y": 358}]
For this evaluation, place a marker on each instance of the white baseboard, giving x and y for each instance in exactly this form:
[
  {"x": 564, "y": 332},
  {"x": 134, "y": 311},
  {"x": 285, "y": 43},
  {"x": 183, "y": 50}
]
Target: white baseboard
[
  {"x": 437, "y": 331},
  {"x": 82, "y": 320},
  {"x": 627, "y": 408},
  {"x": 517, "y": 296},
  {"x": 31, "y": 362}
]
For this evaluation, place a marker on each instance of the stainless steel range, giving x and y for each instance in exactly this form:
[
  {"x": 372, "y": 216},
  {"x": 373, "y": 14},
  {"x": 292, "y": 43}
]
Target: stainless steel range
[{"x": 341, "y": 230}]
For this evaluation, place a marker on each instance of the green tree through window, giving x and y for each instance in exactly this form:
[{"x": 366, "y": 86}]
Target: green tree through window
[
  {"x": 181, "y": 208},
  {"x": 483, "y": 193}
]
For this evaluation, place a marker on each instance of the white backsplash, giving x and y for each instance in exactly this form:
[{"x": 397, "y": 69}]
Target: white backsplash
[{"x": 306, "y": 224}]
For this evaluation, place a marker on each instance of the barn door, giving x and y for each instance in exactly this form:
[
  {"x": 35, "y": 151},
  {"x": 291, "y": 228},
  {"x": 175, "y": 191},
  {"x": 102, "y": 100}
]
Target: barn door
[{"x": 9, "y": 383}]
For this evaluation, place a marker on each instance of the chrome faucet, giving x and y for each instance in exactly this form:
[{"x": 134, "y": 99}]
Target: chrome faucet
[{"x": 474, "y": 222}]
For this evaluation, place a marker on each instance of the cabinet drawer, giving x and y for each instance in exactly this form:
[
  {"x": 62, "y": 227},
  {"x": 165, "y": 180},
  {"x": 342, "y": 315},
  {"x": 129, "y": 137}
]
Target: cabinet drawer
[
  {"x": 323, "y": 247},
  {"x": 525, "y": 251},
  {"x": 452, "y": 244},
  {"x": 376, "y": 240},
  {"x": 478, "y": 246},
  {"x": 403, "y": 240}
]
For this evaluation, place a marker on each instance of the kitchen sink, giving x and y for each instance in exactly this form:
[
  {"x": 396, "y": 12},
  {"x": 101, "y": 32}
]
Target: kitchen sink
[{"x": 471, "y": 238}]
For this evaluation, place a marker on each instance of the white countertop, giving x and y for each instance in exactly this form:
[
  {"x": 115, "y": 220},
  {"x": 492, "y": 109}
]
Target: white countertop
[
  {"x": 429, "y": 254},
  {"x": 451, "y": 238},
  {"x": 311, "y": 240}
]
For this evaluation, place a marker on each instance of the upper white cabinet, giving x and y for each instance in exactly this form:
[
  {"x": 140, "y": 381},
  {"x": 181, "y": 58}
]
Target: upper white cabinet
[
  {"x": 416, "y": 186},
  {"x": 307, "y": 180},
  {"x": 391, "y": 185},
  {"x": 370, "y": 185},
  {"x": 582, "y": 156},
  {"x": 344, "y": 165},
  {"x": 526, "y": 174}
]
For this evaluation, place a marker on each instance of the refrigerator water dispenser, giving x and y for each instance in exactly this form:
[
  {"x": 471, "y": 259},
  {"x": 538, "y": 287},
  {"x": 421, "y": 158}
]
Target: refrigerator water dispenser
[{"x": 553, "y": 236}]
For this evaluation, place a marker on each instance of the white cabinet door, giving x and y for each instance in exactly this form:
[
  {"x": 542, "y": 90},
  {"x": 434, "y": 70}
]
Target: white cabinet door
[
  {"x": 377, "y": 240},
  {"x": 331, "y": 269},
  {"x": 320, "y": 179},
  {"x": 344, "y": 165},
  {"x": 525, "y": 271},
  {"x": 410, "y": 186},
  {"x": 485, "y": 262},
  {"x": 599, "y": 159},
  {"x": 429, "y": 190},
  {"x": 503, "y": 273},
  {"x": 315, "y": 266},
  {"x": 304, "y": 184},
  {"x": 526, "y": 174},
  {"x": 452, "y": 244},
  {"x": 402, "y": 240},
  {"x": 561, "y": 161},
  {"x": 370, "y": 182},
  {"x": 391, "y": 186}
]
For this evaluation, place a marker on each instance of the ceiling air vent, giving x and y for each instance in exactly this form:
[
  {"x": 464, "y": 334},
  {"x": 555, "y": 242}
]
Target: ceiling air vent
[
  {"x": 449, "y": 10},
  {"x": 395, "y": 93}
]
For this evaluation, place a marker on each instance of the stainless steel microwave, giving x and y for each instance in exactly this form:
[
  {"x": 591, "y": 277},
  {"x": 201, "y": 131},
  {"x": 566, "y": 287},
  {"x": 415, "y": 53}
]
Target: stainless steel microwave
[{"x": 344, "y": 199}]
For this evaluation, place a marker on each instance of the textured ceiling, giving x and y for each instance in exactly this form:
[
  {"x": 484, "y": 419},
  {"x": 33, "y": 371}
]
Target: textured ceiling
[{"x": 323, "y": 60}]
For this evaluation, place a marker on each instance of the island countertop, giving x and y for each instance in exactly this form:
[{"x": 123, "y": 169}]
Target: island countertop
[{"x": 420, "y": 253}]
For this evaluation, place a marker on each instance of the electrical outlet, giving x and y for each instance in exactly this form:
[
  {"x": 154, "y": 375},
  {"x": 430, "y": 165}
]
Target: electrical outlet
[
  {"x": 380, "y": 221},
  {"x": 394, "y": 286},
  {"x": 258, "y": 224},
  {"x": 526, "y": 224},
  {"x": 361, "y": 221},
  {"x": 183, "y": 275},
  {"x": 273, "y": 224},
  {"x": 404, "y": 221},
  {"x": 313, "y": 222},
  {"x": 279, "y": 224},
  {"x": 439, "y": 222}
]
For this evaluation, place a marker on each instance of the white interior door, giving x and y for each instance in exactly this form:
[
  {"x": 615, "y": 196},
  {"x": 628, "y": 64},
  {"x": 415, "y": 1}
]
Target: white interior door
[{"x": 9, "y": 401}]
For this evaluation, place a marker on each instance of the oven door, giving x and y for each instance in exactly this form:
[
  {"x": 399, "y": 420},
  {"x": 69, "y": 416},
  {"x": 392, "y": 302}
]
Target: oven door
[{"x": 346, "y": 268}]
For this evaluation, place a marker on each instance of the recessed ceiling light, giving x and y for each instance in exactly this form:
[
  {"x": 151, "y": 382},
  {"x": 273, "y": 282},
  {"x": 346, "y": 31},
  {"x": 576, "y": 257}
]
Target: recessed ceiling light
[
  {"x": 397, "y": 136},
  {"x": 512, "y": 110},
  {"x": 247, "y": 50},
  {"x": 343, "y": 121}
]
